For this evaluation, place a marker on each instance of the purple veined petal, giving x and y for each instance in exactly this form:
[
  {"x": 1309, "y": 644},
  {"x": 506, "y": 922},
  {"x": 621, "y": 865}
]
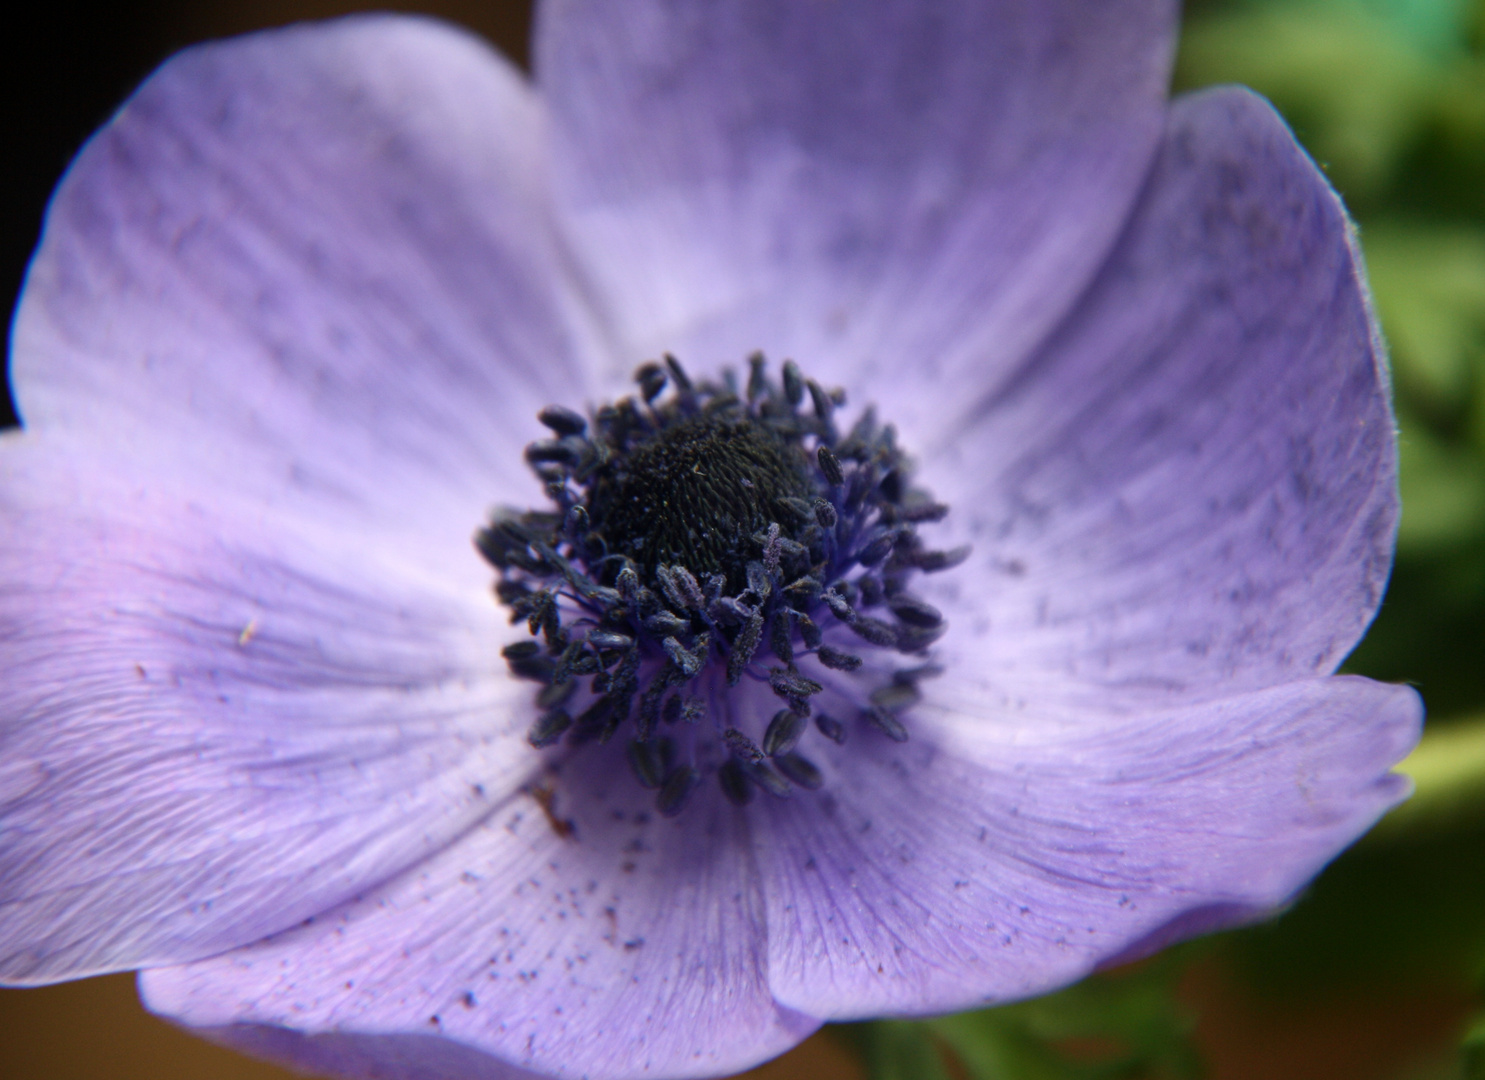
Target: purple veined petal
[
  {"x": 589, "y": 938},
  {"x": 1002, "y": 854},
  {"x": 367, "y": 1057},
  {"x": 315, "y": 262},
  {"x": 1192, "y": 488},
  {"x": 896, "y": 194},
  {"x": 211, "y": 729}
]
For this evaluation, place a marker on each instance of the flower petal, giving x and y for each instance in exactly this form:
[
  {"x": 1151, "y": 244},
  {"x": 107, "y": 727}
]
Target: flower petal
[
  {"x": 590, "y": 938},
  {"x": 1001, "y": 854},
  {"x": 885, "y": 190},
  {"x": 316, "y": 257},
  {"x": 214, "y": 725},
  {"x": 1193, "y": 487},
  {"x": 365, "y": 1057}
]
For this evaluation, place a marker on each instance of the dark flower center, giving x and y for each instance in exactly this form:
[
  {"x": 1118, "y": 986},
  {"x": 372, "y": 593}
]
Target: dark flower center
[
  {"x": 709, "y": 552},
  {"x": 695, "y": 492}
]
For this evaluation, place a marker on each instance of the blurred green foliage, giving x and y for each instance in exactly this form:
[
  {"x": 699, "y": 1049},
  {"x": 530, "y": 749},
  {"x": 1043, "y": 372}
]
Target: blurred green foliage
[
  {"x": 1389, "y": 98},
  {"x": 1123, "y": 1024}
]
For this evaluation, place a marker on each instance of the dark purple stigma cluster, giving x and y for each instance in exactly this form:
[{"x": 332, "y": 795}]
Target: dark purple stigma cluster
[{"x": 705, "y": 544}]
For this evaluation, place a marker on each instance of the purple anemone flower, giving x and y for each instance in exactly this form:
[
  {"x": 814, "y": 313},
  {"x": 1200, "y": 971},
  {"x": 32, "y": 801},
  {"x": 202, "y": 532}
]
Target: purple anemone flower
[{"x": 753, "y": 732}]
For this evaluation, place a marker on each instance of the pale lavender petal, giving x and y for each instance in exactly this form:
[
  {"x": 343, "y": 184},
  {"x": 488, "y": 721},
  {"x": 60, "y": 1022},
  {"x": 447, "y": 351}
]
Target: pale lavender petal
[
  {"x": 366, "y": 1057},
  {"x": 215, "y": 724},
  {"x": 880, "y": 189},
  {"x": 631, "y": 945},
  {"x": 1002, "y": 853},
  {"x": 314, "y": 263},
  {"x": 1192, "y": 489}
]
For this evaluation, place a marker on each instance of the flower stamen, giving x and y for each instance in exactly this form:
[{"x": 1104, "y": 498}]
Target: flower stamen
[{"x": 694, "y": 544}]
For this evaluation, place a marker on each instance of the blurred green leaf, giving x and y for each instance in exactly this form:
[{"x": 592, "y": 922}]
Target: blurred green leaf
[
  {"x": 1443, "y": 491},
  {"x": 1431, "y": 629},
  {"x": 1472, "y": 1050},
  {"x": 1448, "y": 771},
  {"x": 895, "y": 1049},
  {"x": 1439, "y": 25},
  {"x": 1429, "y": 284},
  {"x": 1354, "y": 89},
  {"x": 1118, "y": 1024}
]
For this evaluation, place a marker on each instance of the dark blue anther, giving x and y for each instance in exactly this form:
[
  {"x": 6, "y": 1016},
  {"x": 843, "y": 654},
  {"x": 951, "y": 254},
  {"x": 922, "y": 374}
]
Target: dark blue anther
[
  {"x": 839, "y": 606},
  {"x": 923, "y": 512},
  {"x": 801, "y": 770},
  {"x": 793, "y": 550},
  {"x": 651, "y": 379},
  {"x": 744, "y": 647},
  {"x": 681, "y": 587},
  {"x": 563, "y": 420},
  {"x": 771, "y": 549},
  {"x": 931, "y": 561},
  {"x": 730, "y": 611},
  {"x": 791, "y": 684},
  {"x": 758, "y": 583},
  {"x": 911, "y": 676},
  {"x": 875, "y": 551},
  {"x": 895, "y": 696},
  {"x": 793, "y": 383},
  {"x": 689, "y": 662},
  {"x": 784, "y": 732},
  {"x": 875, "y": 631},
  {"x": 666, "y": 624},
  {"x": 766, "y": 778},
  {"x": 548, "y": 728},
  {"x": 810, "y": 631},
  {"x": 757, "y": 380},
  {"x": 781, "y": 638},
  {"x": 536, "y": 668},
  {"x": 677, "y": 790},
  {"x": 558, "y": 693},
  {"x": 838, "y": 659},
  {"x": 916, "y": 612},
  {"x": 830, "y": 466},
  {"x": 567, "y": 452},
  {"x": 651, "y": 761},
  {"x": 824, "y": 407},
  {"x": 830, "y": 727},
  {"x": 733, "y": 779},
  {"x": 743, "y": 747},
  {"x": 609, "y": 639},
  {"x": 647, "y": 717},
  {"x": 887, "y": 723},
  {"x": 678, "y": 373},
  {"x": 803, "y": 590}
]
